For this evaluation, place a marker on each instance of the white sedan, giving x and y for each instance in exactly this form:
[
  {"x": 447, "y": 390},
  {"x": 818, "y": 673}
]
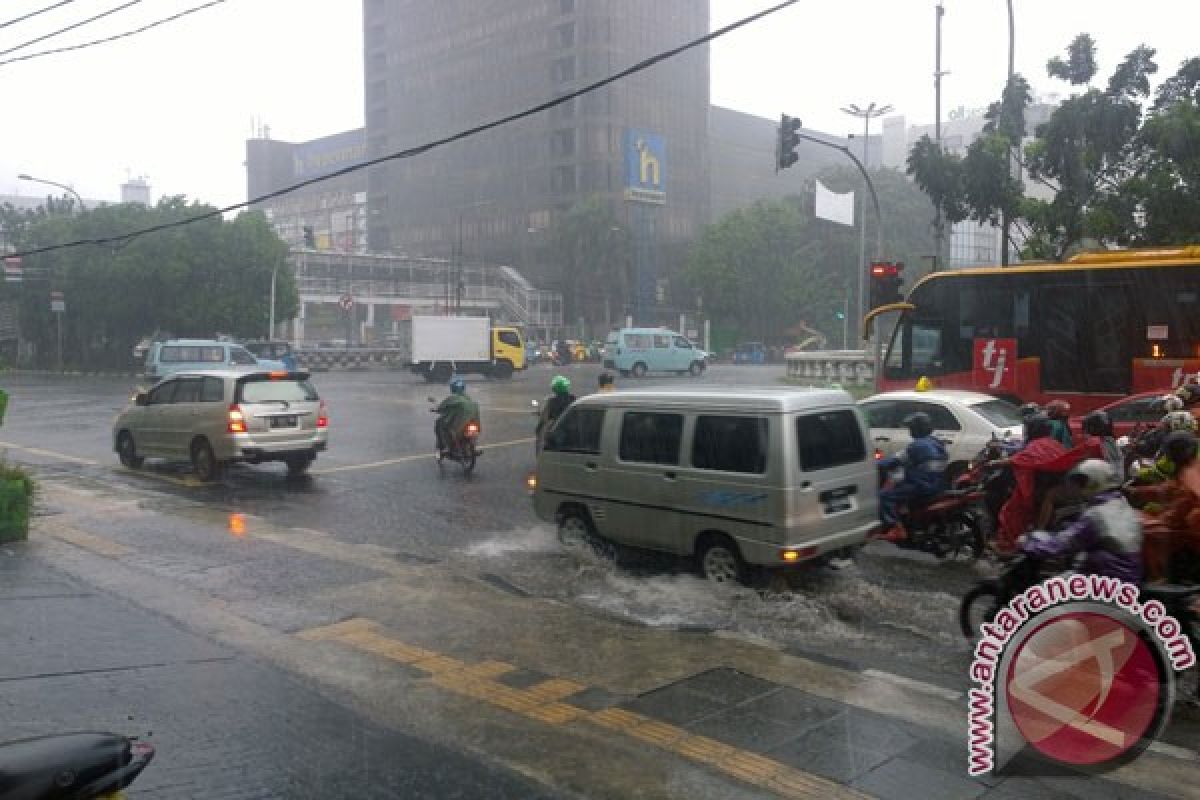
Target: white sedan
[{"x": 963, "y": 421}]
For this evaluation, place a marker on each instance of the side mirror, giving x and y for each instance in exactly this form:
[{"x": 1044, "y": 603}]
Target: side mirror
[{"x": 141, "y": 399}]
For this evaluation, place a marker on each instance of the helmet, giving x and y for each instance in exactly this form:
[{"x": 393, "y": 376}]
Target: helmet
[
  {"x": 1037, "y": 427},
  {"x": 1093, "y": 476},
  {"x": 1171, "y": 402},
  {"x": 1097, "y": 423},
  {"x": 1058, "y": 409},
  {"x": 1028, "y": 410},
  {"x": 560, "y": 385},
  {"x": 918, "y": 424},
  {"x": 1180, "y": 447},
  {"x": 458, "y": 386},
  {"x": 1179, "y": 421}
]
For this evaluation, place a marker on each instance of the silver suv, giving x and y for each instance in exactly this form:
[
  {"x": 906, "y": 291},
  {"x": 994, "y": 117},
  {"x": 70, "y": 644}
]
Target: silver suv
[{"x": 214, "y": 417}]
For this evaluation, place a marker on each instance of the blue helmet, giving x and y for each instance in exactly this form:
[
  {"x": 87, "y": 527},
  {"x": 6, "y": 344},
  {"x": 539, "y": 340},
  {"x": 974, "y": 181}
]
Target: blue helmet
[{"x": 458, "y": 386}]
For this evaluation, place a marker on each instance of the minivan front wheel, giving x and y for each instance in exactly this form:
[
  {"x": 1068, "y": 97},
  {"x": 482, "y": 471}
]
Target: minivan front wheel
[
  {"x": 720, "y": 561},
  {"x": 127, "y": 451}
]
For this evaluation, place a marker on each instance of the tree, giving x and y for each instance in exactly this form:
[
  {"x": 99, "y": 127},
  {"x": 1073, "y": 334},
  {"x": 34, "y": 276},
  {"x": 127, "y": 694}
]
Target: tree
[
  {"x": 201, "y": 278},
  {"x": 593, "y": 253},
  {"x": 769, "y": 266}
]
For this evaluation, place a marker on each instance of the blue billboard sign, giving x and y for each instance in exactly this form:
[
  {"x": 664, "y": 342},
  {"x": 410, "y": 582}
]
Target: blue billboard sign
[{"x": 645, "y": 167}]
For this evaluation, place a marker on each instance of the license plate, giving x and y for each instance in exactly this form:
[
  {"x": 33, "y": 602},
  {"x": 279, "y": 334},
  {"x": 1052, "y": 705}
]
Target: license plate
[{"x": 284, "y": 422}]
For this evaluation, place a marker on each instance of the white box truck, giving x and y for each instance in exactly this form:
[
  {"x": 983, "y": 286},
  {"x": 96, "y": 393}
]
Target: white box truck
[{"x": 443, "y": 346}]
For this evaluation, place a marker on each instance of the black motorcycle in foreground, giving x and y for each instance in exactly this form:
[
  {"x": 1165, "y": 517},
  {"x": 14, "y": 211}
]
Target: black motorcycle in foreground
[
  {"x": 72, "y": 766},
  {"x": 987, "y": 598}
]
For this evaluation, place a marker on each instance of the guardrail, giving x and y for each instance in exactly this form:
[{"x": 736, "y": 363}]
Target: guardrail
[{"x": 847, "y": 367}]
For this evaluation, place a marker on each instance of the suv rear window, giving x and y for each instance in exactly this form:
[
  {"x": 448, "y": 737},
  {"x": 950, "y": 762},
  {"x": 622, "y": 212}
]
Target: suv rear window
[
  {"x": 274, "y": 391},
  {"x": 829, "y": 439}
]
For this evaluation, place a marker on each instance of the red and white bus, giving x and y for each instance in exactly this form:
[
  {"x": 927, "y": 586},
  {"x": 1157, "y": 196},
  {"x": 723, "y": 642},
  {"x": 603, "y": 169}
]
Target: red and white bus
[{"x": 1098, "y": 326}]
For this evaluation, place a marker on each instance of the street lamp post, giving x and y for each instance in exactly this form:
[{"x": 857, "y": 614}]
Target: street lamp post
[
  {"x": 63, "y": 186},
  {"x": 866, "y": 114}
]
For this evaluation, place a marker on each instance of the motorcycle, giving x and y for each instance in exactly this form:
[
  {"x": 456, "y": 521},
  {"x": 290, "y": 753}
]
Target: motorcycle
[
  {"x": 463, "y": 448},
  {"x": 79, "y": 766},
  {"x": 988, "y": 597},
  {"x": 946, "y": 526}
]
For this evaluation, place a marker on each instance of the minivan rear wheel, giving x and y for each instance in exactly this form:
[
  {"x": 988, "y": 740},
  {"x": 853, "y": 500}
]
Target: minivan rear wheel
[
  {"x": 204, "y": 461},
  {"x": 720, "y": 561},
  {"x": 639, "y": 370}
]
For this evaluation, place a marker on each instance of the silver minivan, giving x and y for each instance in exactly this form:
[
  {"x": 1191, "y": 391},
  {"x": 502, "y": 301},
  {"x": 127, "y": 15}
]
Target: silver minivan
[{"x": 766, "y": 478}]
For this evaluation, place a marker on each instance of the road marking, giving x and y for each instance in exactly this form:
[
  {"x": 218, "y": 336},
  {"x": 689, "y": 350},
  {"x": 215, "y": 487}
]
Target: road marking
[
  {"x": 543, "y": 702},
  {"x": 88, "y": 541},
  {"x": 50, "y": 454},
  {"x": 414, "y": 457}
]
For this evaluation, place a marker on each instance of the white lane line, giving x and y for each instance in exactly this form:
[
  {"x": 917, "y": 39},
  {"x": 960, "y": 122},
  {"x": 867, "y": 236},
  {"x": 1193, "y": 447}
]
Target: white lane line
[
  {"x": 415, "y": 457},
  {"x": 50, "y": 454}
]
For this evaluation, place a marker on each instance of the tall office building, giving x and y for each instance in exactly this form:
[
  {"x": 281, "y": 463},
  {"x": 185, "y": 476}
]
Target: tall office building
[{"x": 436, "y": 67}]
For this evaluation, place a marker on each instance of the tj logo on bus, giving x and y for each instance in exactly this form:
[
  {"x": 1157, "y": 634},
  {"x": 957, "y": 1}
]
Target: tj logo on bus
[{"x": 993, "y": 364}]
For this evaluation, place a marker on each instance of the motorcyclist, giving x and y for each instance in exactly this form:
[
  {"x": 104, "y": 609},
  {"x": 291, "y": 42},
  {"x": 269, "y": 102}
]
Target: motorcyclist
[
  {"x": 1059, "y": 412},
  {"x": 924, "y": 462},
  {"x": 453, "y": 415},
  {"x": 1108, "y": 534},
  {"x": 1041, "y": 449},
  {"x": 559, "y": 401}
]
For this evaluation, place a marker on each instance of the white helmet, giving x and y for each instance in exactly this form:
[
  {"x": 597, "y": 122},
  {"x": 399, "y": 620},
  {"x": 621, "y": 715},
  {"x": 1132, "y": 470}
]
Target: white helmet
[{"x": 1094, "y": 476}]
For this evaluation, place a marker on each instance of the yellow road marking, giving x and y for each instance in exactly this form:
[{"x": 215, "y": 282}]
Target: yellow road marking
[
  {"x": 49, "y": 454},
  {"x": 415, "y": 457},
  {"x": 88, "y": 541},
  {"x": 541, "y": 702}
]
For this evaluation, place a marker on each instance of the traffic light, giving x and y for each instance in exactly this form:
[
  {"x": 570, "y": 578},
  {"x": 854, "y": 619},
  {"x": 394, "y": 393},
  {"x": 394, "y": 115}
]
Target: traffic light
[
  {"x": 310, "y": 240},
  {"x": 789, "y": 139},
  {"x": 886, "y": 282}
]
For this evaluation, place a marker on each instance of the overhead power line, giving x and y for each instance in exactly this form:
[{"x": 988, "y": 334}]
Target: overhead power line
[
  {"x": 115, "y": 37},
  {"x": 79, "y": 24},
  {"x": 33, "y": 14},
  {"x": 640, "y": 66}
]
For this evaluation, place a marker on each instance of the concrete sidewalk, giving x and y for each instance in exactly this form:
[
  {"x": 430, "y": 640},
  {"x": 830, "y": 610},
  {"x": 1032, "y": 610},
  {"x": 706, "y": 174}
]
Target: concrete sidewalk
[{"x": 220, "y": 624}]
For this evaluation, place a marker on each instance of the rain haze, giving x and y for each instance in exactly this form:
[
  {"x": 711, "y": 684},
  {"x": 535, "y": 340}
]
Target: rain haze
[{"x": 176, "y": 103}]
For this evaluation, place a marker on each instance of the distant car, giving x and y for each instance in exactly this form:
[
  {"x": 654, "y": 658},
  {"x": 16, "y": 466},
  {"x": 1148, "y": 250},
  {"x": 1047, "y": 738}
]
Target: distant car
[
  {"x": 963, "y": 421},
  {"x": 1129, "y": 412},
  {"x": 750, "y": 353},
  {"x": 214, "y": 417},
  {"x": 183, "y": 355}
]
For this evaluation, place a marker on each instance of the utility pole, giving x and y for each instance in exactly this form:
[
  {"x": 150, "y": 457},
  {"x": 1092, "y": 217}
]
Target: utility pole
[
  {"x": 1005, "y": 222},
  {"x": 939, "y": 232}
]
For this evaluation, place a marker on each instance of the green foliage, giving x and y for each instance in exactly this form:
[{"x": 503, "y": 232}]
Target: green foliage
[
  {"x": 193, "y": 280},
  {"x": 766, "y": 268}
]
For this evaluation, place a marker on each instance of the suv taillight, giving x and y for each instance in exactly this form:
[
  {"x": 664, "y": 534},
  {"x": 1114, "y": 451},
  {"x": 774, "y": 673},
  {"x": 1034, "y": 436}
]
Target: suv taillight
[
  {"x": 322, "y": 419},
  {"x": 237, "y": 420}
]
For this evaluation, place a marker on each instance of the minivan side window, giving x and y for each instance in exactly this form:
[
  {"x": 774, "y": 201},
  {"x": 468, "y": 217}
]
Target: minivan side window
[
  {"x": 213, "y": 390},
  {"x": 651, "y": 438},
  {"x": 509, "y": 338},
  {"x": 829, "y": 439},
  {"x": 578, "y": 431},
  {"x": 730, "y": 444}
]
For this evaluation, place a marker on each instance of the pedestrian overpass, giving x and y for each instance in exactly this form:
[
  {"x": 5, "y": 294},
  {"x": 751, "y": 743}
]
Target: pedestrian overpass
[{"x": 362, "y": 298}]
